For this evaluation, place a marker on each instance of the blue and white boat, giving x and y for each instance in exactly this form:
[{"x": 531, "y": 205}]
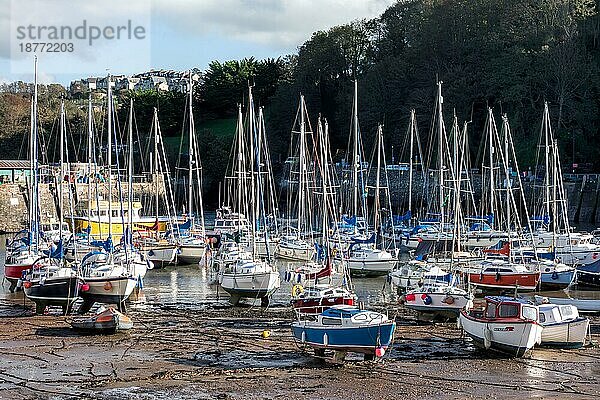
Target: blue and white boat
[
  {"x": 556, "y": 276},
  {"x": 347, "y": 329}
]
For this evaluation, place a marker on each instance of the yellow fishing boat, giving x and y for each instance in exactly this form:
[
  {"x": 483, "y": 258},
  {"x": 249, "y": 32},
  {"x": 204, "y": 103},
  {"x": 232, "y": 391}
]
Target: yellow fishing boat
[{"x": 93, "y": 217}]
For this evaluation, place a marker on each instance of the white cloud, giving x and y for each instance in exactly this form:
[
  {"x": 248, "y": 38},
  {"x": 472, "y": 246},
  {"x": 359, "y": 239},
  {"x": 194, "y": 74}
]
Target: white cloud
[{"x": 274, "y": 23}]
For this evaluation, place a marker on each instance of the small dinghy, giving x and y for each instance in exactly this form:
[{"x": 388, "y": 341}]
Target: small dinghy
[
  {"x": 563, "y": 327},
  {"x": 506, "y": 325},
  {"x": 105, "y": 321},
  {"x": 346, "y": 329}
]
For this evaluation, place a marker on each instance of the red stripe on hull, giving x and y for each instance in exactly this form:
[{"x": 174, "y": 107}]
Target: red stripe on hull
[
  {"x": 507, "y": 281},
  {"x": 14, "y": 272}
]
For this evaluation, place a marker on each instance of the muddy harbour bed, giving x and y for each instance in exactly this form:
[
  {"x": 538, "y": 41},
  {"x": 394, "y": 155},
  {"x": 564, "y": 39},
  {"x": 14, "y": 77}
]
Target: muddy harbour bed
[{"x": 188, "y": 343}]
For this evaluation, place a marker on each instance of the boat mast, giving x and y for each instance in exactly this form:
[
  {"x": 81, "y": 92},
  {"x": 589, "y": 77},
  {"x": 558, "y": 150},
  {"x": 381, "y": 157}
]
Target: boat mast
[
  {"x": 31, "y": 167},
  {"x": 491, "y": 129},
  {"x": 191, "y": 154},
  {"x": 253, "y": 184},
  {"x": 302, "y": 167},
  {"x": 130, "y": 177},
  {"x": 62, "y": 171},
  {"x": 412, "y": 129},
  {"x": 377, "y": 205},
  {"x": 109, "y": 157},
  {"x": 156, "y": 160},
  {"x": 34, "y": 158},
  {"x": 89, "y": 159},
  {"x": 545, "y": 128},
  {"x": 240, "y": 177},
  {"x": 440, "y": 155},
  {"x": 355, "y": 151}
]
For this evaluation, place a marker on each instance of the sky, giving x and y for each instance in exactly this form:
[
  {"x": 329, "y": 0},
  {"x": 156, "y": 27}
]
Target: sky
[{"x": 173, "y": 34}]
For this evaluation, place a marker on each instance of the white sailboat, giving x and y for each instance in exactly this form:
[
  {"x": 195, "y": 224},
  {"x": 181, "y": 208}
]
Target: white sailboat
[
  {"x": 297, "y": 243},
  {"x": 251, "y": 277},
  {"x": 363, "y": 256}
]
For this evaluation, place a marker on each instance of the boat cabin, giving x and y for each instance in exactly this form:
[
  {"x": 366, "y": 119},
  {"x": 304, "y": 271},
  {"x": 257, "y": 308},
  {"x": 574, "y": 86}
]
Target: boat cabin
[
  {"x": 348, "y": 316},
  {"x": 95, "y": 209},
  {"x": 554, "y": 313},
  {"x": 509, "y": 308}
]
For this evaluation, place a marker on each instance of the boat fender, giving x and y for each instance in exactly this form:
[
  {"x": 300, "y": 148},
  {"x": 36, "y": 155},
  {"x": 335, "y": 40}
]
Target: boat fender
[
  {"x": 426, "y": 299},
  {"x": 380, "y": 352},
  {"x": 449, "y": 299},
  {"x": 554, "y": 275},
  {"x": 388, "y": 279},
  {"x": 409, "y": 297},
  {"x": 487, "y": 337},
  {"x": 497, "y": 275},
  {"x": 151, "y": 253},
  {"x": 108, "y": 286},
  {"x": 303, "y": 338},
  {"x": 458, "y": 323},
  {"x": 299, "y": 278},
  {"x": 325, "y": 340},
  {"x": 297, "y": 289}
]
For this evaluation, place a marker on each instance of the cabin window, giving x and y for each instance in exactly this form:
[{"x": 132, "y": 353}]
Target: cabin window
[
  {"x": 361, "y": 317},
  {"x": 542, "y": 317},
  {"x": 530, "y": 313},
  {"x": 508, "y": 311},
  {"x": 331, "y": 321},
  {"x": 490, "y": 311},
  {"x": 566, "y": 311}
]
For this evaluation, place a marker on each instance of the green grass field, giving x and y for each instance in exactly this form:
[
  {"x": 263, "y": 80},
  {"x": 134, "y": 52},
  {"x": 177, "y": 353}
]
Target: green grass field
[{"x": 221, "y": 128}]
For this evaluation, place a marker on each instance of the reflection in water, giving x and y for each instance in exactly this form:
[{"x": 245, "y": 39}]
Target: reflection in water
[
  {"x": 192, "y": 286},
  {"x": 174, "y": 286}
]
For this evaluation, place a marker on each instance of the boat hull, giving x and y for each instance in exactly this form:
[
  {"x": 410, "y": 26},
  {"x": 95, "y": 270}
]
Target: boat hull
[
  {"x": 100, "y": 229},
  {"x": 14, "y": 272},
  {"x": 514, "y": 338},
  {"x": 59, "y": 291},
  {"x": 108, "y": 321},
  {"x": 161, "y": 255},
  {"x": 359, "y": 339},
  {"x": 295, "y": 254},
  {"x": 567, "y": 334},
  {"x": 556, "y": 280},
  {"x": 442, "y": 304},
  {"x": 191, "y": 254},
  {"x": 250, "y": 285},
  {"x": 524, "y": 281},
  {"x": 370, "y": 268},
  {"x": 109, "y": 290}
]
